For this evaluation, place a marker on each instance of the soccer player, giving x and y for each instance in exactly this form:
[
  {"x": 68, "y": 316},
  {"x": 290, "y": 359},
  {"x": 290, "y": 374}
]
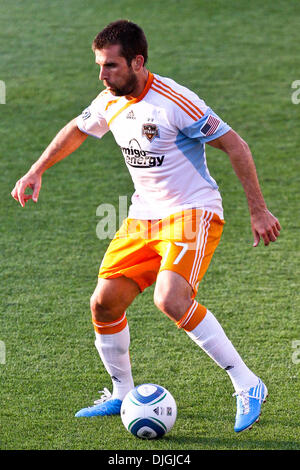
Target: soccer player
[{"x": 175, "y": 220}]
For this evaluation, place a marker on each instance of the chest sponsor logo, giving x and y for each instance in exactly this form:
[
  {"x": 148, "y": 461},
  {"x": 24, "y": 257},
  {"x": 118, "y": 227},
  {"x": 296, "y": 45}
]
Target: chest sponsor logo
[
  {"x": 138, "y": 158},
  {"x": 150, "y": 131}
]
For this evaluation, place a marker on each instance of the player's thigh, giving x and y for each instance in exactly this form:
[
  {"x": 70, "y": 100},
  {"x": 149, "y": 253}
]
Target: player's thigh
[{"x": 112, "y": 297}]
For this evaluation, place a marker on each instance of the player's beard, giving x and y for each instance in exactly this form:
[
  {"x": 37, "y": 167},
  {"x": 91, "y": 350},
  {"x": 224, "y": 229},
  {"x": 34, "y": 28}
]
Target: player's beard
[{"x": 128, "y": 87}]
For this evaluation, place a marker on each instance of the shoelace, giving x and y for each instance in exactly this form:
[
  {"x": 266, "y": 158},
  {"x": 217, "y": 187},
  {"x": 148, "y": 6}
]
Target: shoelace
[
  {"x": 242, "y": 402},
  {"x": 106, "y": 395}
]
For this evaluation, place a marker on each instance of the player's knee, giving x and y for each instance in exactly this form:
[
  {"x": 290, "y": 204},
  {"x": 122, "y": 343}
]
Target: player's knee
[
  {"x": 166, "y": 303},
  {"x": 93, "y": 304},
  {"x": 172, "y": 304},
  {"x": 101, "y": 310}
]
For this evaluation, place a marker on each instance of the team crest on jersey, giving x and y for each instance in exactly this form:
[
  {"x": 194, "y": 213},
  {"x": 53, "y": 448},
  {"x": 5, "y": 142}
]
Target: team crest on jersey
[{"x": 150, "y": 131}]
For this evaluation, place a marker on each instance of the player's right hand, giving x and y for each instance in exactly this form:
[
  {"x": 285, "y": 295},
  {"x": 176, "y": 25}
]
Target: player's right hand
[{"x": 30, "y": 180}]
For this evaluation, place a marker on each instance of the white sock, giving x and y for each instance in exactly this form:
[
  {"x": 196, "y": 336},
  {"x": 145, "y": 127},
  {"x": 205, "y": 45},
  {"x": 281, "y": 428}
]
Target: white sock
[
  {"x": 210, "y": 336},
  {"x": 114, "y": 353}
]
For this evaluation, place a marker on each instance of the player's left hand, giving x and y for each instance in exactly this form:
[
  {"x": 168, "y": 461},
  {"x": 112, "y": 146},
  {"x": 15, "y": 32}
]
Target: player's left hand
[{"x": 266, "y": 226}]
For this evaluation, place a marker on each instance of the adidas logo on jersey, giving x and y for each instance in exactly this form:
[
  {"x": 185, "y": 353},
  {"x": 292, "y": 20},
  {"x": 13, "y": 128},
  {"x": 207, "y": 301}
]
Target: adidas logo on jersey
[{"x": 130, "y": 115}]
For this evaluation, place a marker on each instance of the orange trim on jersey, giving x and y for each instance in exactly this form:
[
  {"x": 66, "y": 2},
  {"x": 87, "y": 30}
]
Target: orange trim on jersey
[
  {"x": 110, "y": 328},
  {"x": 103, "y": 92},
  {"x": 193, "y": 108},
  {"x": 176, "y": 102},
  {"x": 192, "y": 317},
  {"x": 110, "y": 103},
  {"x": 134, "y": 100}
]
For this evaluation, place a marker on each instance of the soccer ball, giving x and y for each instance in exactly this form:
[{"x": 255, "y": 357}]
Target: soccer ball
[{"x": 148, "y": 411}]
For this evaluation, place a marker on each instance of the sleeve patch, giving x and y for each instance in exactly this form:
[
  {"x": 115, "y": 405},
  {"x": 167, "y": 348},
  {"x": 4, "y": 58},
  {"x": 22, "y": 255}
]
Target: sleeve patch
[
  {"x": 86, "y": 114},
  {"x": 210, "y": 126}
]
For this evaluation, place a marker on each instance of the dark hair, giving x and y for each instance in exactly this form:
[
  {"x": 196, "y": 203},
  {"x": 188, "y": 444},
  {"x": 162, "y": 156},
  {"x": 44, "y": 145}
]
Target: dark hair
[{"x": 128, "y": 35}]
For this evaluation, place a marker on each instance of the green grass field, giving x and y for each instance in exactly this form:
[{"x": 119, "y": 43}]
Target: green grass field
[{"x": 241, "y": 57}]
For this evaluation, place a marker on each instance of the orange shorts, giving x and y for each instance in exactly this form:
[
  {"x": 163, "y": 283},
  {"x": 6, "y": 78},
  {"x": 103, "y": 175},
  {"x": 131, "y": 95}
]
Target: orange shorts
[{"x": 183, "y": 242}]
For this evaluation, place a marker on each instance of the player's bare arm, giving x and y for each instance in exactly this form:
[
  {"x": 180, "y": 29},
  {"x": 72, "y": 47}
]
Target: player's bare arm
[
  {"x": 68, "y": 139},
  {"x": 264, "y": 224}
]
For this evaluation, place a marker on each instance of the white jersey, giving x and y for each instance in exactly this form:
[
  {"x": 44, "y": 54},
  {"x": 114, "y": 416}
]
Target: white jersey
[{"x": 162, "y": 135}]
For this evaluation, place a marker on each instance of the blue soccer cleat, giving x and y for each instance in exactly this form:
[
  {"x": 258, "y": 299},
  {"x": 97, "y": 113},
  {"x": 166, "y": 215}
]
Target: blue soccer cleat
[
  {"x": 249, "y": 405},
  {"x": 105, "y": 406}
]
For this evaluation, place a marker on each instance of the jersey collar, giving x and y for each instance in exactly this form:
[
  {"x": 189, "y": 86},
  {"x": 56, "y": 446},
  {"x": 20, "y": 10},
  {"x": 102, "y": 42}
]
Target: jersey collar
[{"x": 134, "y": 100}]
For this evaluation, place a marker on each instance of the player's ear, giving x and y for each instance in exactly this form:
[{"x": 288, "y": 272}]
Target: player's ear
[{"x": 138, "y": 63}]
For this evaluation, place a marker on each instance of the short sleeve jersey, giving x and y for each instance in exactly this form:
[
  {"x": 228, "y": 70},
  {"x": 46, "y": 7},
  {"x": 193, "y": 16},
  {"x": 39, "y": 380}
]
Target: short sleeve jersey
[{"x": 162, "y": 135}]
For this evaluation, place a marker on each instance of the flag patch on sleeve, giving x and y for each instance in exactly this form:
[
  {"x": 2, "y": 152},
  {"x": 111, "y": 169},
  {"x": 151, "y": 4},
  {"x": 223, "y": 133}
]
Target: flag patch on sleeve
[{"x": 210, "y": 126}]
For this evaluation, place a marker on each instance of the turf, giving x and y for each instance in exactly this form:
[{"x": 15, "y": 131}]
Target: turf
[{"x": 241, "y": 57}]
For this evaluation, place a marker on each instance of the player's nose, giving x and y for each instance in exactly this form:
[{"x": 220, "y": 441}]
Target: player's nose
[{"x": 103, "y": 74}]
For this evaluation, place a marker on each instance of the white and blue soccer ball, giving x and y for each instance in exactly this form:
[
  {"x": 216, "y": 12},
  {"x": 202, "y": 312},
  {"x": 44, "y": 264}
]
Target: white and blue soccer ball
[{"x": 148, "y": 411}]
